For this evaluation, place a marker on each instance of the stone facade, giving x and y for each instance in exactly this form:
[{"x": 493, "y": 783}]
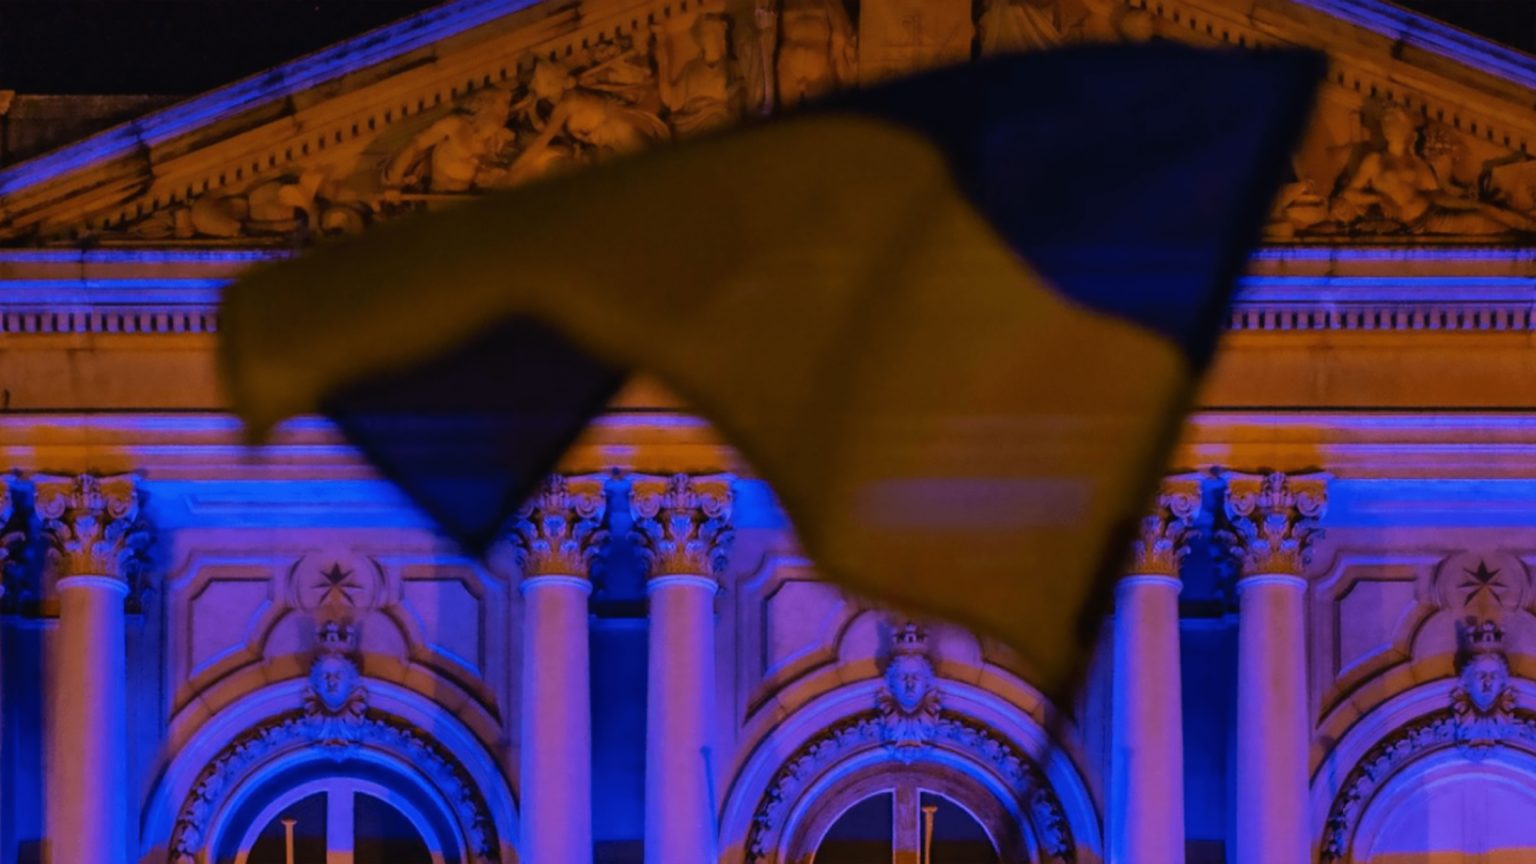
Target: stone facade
[{"x": 1325, "y": 650}]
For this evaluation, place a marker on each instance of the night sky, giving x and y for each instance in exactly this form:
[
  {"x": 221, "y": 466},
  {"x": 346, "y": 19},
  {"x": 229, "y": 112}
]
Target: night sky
[
  {"x": 179, "y": 47},
  {"x": 185, "y": 47}
]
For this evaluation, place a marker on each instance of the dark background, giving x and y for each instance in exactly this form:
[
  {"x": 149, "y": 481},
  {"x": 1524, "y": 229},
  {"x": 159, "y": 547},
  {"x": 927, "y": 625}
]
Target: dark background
[{"x": 185, "y": 47}]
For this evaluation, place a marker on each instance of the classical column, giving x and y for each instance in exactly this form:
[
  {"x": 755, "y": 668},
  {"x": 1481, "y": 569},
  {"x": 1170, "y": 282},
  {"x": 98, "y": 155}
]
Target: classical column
[
  {"x": 95, "y": 544},
  {"x": 1272, "y": 521},
  {"x": 1146, "y": 811},
  {"x": 9, "y": 541},
  {"x": 556, "y": 536},
  {"x": 683, "y": 526}
]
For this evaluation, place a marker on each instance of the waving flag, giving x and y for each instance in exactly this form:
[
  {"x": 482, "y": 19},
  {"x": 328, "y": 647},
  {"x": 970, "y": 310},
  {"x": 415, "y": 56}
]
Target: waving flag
[{"x": 954, "y": 320}]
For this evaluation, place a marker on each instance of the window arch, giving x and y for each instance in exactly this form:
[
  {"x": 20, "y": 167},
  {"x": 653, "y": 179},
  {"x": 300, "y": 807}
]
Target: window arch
[
  {"x": 882, "y": 813},
  {"x": 344, "y": 820},
  {"x": 350, "y": 811},
  {"x": 1448, "y": 807}
]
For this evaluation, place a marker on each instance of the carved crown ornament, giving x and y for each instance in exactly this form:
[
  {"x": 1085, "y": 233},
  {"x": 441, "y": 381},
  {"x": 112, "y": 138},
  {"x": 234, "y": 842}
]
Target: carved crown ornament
[
  {"x": 1272, "y": 520},
  {"x": 560, "y": 531},
  {"x": 908, "y": 701},
  {"x": 335, "y": 719},
  {"x": 594, "y": 81},
  {"x": 682, "y": 524},
  {"x": 92, "y": 527},
  {"x": 1481, "y": 717}
]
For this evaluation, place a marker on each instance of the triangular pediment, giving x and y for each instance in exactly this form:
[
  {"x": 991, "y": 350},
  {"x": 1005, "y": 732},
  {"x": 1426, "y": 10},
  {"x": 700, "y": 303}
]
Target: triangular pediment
[{"x": 1421, "y": 133}]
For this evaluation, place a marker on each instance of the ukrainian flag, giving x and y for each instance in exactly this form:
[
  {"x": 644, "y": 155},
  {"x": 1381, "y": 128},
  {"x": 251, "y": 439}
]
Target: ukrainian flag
[{"x": 954, "y": 320}]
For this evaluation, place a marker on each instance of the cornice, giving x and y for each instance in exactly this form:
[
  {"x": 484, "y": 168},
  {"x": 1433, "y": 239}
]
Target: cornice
[
  {"x": 277, "y": 83},
  {"x": 1301, "y": 289},
  {"x": 166, "y": 447},
  {"x": 1409, "y": 28}
]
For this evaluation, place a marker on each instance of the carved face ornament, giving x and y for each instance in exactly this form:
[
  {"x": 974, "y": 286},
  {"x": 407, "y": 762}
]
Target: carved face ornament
[
  {"x": 1398, "y": 127},
  {"x": 1485, "y": 678},
  {"x": 908, "y": 678},
  {"x": 333, "y": 679}
]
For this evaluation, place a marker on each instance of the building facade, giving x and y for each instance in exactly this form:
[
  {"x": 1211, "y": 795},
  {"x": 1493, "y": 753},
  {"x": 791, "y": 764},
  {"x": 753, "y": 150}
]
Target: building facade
[{"x": 1324, "y": 651}]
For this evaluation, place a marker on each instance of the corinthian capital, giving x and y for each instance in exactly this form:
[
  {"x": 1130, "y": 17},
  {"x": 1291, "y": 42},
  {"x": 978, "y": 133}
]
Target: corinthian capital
[
  {"x": 91, "y": 525},
  {"x": 683, "y": 523},
  {"x": 11, "y": 536},
  {"x": 1272, "y": 520},
  {"x": 560, "y": 530},
  {"x": 1167, "y": 530}
]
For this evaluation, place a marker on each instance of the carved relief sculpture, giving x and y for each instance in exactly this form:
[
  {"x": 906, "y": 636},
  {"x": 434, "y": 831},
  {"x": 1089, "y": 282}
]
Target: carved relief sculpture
[
  {"x": 903, "y": 36},
  {"x": 459, "y": 152},
  {"x": 1272, "y": 520},
  {"x": 909, "y": 701},
  {"x": 818, "y": 50},
  {"x": 1006, "y": 26},
  {"x": 92, "y": 527},
  {"x": 1484, "y": 704},
  {"x": 607, "y": 108},
  {"x": 560, "y": 531},
  {"x": 1167, "y": 530},
  {"x": 682, "y": 523},
  {"x": 699, "y": 92},
  {"x": 1404, "y": 185}
]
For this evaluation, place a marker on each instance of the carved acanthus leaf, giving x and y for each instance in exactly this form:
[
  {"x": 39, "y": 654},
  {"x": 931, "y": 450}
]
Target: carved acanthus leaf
[
  {"x": 1167, "y": 531},
  {"x": 682, "y": 524},
  {"x": 1272, "y": 520},
  {"x": 92, "y": 526},
  {"x": 560, "y": 532},
  {"x": 12, "y": 537}
]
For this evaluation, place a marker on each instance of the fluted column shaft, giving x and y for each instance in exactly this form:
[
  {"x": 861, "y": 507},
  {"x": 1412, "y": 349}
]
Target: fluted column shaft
[
  {"x": 556, "y": 755},
  {"x": 1148, "y": 726},
  {"x": 556, "y": 537},
  {"x": 680, "y": 720},
  {"x": 683, "y": 526},
  {"x": 88, "y": 800},
  {"x": 95, "y": 542},
  {"x": 1272, "y": 523},
  {"x": 1146, "y": 816},
  {"x": 1273, "y": 825}
]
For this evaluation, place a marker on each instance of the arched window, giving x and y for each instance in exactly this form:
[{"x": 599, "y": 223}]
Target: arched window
[
  {"x": 1447, "y": 808},
  {"x": 341, "y": 821},
  {"x": 901, "y": 814}
]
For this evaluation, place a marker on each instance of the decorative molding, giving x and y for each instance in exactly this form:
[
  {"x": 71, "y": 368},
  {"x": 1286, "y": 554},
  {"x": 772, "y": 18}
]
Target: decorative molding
[
  {"x": 92, "y": 527},
  {"x": 560, "y": 532},
  {"x": 682, "y": 524},
  {"x": 1443, "y": 316},
  {"x": 1167, "y": 531},
  {"x": 1272, "y": 520},
  {"x": 335, "y": 718},
  {"x": 909, "y": 701},
  {"x": 132, "y": 320},
  {"x": 952, "y": 731}
]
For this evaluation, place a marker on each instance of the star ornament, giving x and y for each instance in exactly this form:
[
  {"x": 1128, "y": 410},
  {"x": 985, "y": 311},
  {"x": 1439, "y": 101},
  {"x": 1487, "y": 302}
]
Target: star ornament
[
  {"x": 337, "y": 585},
  {"x": 1480, "y": 580}
]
